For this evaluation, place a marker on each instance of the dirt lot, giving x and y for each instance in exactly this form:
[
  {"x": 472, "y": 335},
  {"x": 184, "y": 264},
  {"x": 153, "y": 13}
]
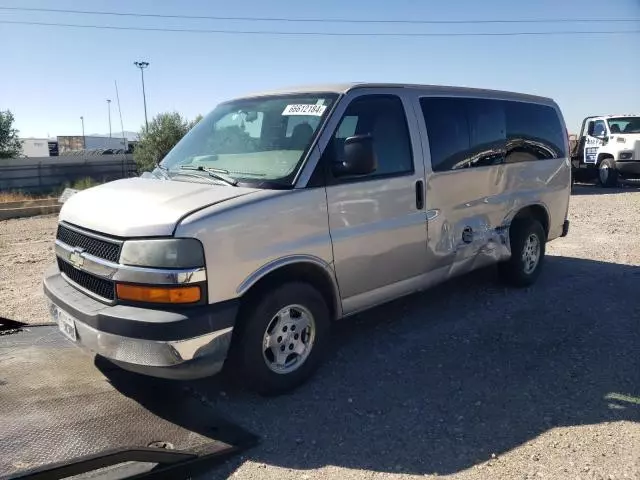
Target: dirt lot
[
  {"x": 467, "y": 381},
  {"x": 26, "y": 250}
]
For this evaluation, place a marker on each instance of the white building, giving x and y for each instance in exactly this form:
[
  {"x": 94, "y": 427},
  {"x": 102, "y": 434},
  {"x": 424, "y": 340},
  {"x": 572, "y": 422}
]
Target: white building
[{"x": 35, "y": 147}]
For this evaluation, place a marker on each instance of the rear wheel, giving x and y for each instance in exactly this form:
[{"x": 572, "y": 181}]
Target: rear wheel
[
  {"x": 607, "y": 173},
  {"x": 527, "y": 239},
  {"x": 281, "y": 338}
]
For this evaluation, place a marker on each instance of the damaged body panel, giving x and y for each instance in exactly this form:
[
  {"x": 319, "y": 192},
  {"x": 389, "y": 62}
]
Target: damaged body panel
[{"x": 475, "y": 209}]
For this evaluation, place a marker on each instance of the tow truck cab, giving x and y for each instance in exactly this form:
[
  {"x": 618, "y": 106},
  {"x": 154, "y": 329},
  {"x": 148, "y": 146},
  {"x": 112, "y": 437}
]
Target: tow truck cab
[{"x": 608, "y": 148}]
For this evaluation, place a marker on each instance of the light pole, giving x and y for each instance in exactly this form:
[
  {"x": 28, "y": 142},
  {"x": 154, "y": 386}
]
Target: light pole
[
  {"x": 84, "y": 141},
  {"x": 142, "y": 66},
  {"x": 109, "y": 107}
]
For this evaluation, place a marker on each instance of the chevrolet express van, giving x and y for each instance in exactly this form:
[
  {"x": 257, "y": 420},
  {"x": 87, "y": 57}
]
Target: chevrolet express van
[{"x": 280, "y": 213}]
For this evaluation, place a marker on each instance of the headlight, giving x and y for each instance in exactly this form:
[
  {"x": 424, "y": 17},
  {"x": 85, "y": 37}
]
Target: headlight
[
  {"x": 626, "y": 155},
  {"x": 163, "y": 253}
]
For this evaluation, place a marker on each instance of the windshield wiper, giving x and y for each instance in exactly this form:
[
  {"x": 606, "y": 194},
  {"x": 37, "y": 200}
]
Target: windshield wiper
[
  {"x": 216, "y": 173},
  {"x": 164, "y": 170}
]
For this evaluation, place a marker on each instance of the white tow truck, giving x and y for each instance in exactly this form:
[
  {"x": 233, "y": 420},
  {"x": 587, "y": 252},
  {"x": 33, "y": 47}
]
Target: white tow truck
[{"x": 608, "y": 148}]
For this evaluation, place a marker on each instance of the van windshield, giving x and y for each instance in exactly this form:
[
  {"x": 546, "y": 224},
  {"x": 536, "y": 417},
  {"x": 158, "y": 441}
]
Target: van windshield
[{"x": 260, "y": 141}]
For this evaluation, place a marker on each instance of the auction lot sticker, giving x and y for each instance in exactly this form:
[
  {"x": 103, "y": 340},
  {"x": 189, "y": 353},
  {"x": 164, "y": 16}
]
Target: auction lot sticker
[{"x": 304, "y": 109}]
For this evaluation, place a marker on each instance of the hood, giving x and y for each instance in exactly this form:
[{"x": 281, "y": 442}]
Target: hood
[
  {"x": 628, "y": 136},
  {"x": 631, "y": 142},
  {"x": 142, "y": 207}
]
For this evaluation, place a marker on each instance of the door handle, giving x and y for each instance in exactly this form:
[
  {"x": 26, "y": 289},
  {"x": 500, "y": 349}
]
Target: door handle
[
  {"x": 419, "y": 195},
  {"x": 467, "y": 235}
]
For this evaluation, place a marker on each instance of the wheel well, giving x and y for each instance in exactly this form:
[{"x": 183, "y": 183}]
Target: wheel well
[
  {"x": 537, "y": 212},
  {"x": 602, "y": 156},
  {"x": 306, "y": 272}
]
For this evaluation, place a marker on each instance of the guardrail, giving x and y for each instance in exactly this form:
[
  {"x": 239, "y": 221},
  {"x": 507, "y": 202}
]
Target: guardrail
[{"x": 47, "y": 174}]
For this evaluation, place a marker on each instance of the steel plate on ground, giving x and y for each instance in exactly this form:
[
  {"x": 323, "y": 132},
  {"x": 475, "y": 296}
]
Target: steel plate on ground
[{"x": 57, "y": 404}]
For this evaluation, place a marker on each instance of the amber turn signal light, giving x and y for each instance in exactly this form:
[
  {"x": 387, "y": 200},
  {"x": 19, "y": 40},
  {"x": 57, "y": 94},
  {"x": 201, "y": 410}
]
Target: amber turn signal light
[{"x": 142, "y": 293}]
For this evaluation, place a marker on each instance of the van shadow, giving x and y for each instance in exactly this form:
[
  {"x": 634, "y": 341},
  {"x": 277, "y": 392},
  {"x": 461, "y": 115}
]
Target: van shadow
[
  {"x": 10, "y": 325},
  {"x": 582, "y": 189},
  {"x": 439, "y": 381}
]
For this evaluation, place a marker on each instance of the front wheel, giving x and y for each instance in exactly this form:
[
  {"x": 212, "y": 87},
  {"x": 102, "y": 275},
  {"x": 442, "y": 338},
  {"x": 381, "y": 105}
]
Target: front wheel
[
  {"x": 528, "y": 239},
  {"x": 281, "y": 338},
  {"x": 607, "y": 173}
]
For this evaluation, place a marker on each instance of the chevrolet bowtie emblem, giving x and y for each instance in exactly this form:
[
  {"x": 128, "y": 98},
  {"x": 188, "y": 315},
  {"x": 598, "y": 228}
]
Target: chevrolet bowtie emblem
[{"x": 75, "y": 258}]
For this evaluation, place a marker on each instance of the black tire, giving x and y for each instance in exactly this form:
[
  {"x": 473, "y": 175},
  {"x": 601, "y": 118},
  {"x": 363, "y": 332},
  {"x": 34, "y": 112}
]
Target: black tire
[
  {"x": 514, "y": 271},
  {"x": 247, "y": 360},
  {"x": 607, "y": 173}
]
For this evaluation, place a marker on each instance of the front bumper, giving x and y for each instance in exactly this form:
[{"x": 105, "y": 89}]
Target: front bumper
[
  {"x": 625, "y": 167},
  {"x": 628, "y": 167},
  {"x": 178, "y": 344}
]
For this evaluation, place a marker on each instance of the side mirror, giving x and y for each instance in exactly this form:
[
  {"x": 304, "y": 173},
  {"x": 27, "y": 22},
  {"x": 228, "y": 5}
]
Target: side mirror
[{"x": 359, "y": 157}]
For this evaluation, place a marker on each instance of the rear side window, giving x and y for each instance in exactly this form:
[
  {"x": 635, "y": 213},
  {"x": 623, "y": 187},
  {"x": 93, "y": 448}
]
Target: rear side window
[
  {"x": 448, "y": 131},
  {"x": 487, "y": 132},
  {"x": 464, "y": 132},
  {"x": 474, "y": 132},
  {"x": 534, "y": 132}
]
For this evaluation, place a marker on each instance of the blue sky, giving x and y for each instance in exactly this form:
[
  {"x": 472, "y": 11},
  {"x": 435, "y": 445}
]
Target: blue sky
[{"x": 58, "y": 74}]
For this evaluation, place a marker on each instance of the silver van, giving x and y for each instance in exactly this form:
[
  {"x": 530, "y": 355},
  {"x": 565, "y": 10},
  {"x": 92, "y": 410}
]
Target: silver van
[{"x": 282, "y": 212}]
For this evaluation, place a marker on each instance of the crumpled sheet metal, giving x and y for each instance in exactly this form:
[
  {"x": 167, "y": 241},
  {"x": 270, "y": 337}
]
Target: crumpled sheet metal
[{"x": 481, "y": 246}]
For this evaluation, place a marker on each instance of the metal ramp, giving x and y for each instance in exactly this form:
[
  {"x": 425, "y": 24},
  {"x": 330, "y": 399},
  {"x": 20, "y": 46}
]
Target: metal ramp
[{"x": 63, "y": 415}]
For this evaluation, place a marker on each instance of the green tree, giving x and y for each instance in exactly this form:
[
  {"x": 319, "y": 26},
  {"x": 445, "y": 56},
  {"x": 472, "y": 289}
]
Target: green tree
[
  {"x": 165, "y": 130},
  {"x": 196, "y": 120},
  {"x": 10, "y": 145}
]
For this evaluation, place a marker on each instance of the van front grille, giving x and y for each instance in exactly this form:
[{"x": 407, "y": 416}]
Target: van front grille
[
  {"x": 104, "y": 249},
  {"x": 103, "y": 288}
]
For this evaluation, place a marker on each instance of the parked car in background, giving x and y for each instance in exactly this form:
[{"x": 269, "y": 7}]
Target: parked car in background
[{"x": 282, "y": 212}]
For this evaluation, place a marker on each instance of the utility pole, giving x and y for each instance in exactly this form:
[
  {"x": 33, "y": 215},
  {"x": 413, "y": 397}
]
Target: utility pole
[
  {"x": 124, "y": 140},
  {"x": 84, "y": 140},
  {"x": 142, "y": 66},
  {"x": 109, "y": 107}
]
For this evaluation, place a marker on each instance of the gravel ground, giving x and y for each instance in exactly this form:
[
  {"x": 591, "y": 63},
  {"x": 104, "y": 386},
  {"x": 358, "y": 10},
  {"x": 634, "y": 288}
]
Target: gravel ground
[
  {"x": 26, "y": 250},
  {"x": 467, "y": 381}
]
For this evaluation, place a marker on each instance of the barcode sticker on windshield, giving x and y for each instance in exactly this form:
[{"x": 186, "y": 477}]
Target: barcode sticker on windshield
[{"x": 304, "y": 109}]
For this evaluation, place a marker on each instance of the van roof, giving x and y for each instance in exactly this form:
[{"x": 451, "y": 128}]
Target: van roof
[{"x": 432, "y": 89}]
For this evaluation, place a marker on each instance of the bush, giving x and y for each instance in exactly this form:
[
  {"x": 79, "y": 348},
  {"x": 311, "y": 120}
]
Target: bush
[
  {"x": 14, "y": 196},
  {"x": 81, "y": 184},
  {"x": 84, "y": 183},
  {"x": 10, "y": 145},
  {"x": 165, "y": 130}
]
